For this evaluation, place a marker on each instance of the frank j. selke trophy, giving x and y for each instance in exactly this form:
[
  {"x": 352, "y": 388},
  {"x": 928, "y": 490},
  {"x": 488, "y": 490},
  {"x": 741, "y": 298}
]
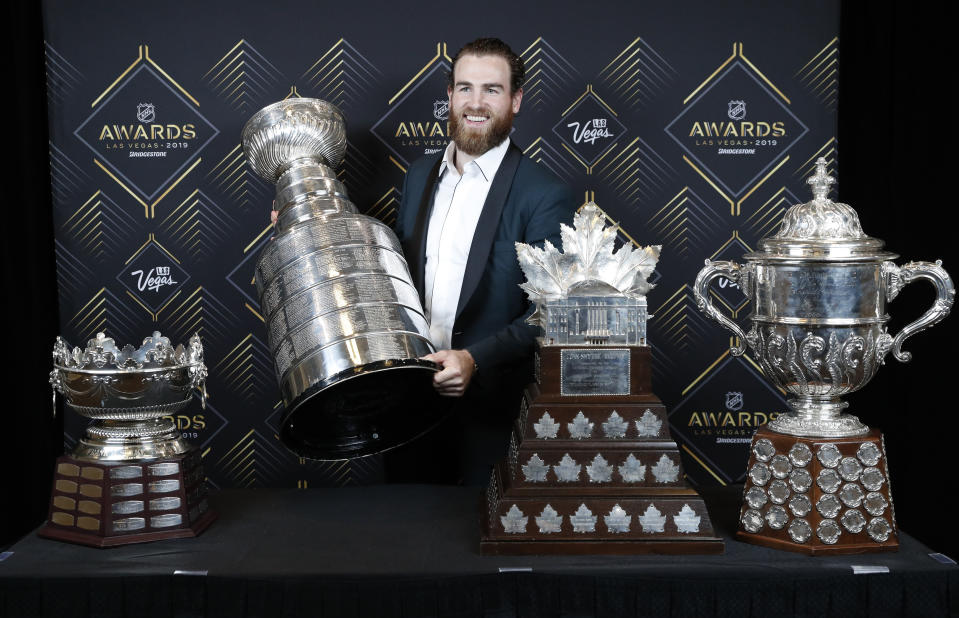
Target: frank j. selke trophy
[
  {"x": 818, "y": 481},
  {"x": 592, "y": 468},
  {"x": 132, "y": 478},
  {"x": 344, "y": 322}
]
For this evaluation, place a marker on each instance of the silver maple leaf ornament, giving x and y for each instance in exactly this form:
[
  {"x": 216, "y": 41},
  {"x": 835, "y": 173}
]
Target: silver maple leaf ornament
[{"x": 590, "y": 292}]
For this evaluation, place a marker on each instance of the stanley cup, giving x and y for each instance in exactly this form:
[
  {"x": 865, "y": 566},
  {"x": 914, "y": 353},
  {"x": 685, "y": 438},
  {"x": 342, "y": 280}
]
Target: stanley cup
[{"x": 345, "y": 324}]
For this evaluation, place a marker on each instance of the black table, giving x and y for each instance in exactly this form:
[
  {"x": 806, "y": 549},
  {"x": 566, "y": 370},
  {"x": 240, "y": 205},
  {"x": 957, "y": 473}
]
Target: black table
[{"x": 412, "y": 550}]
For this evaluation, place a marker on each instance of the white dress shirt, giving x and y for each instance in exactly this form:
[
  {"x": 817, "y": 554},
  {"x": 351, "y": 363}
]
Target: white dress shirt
[{"x": 456, "y": 210}]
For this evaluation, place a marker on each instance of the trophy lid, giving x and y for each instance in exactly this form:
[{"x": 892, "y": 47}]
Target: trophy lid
[{"x": 821, "y": 230}]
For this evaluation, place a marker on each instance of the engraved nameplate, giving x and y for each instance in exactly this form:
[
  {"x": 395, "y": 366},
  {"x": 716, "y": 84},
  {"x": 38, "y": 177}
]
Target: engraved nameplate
[{"x": 594, "y": 372}]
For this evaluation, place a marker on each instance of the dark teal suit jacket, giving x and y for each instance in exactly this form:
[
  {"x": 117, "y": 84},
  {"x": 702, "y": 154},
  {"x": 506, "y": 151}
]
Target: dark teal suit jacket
[{"x": 526, "y": 203}]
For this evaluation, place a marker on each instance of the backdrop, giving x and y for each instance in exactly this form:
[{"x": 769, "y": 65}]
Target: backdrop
[{"x": 692, "y": 125}]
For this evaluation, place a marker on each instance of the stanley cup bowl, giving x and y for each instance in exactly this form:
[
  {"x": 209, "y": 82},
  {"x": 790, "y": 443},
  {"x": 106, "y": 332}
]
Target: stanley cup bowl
[
  {"x": 128, "y": 391},
  {"x": 819, "y": 291},
  {"x": 345, "y": 326},
  {"x": 290, "y": 130}
]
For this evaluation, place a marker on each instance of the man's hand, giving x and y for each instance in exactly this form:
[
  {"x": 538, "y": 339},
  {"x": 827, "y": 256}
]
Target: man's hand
[{"x": 454, "y": 378}]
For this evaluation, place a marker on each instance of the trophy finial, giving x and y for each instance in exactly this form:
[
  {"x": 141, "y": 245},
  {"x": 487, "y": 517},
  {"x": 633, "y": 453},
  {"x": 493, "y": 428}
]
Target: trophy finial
[{"x": 821, "y": 181}]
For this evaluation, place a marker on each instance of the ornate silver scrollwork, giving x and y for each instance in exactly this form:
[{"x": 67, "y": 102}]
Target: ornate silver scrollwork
[
  {"x": 898, "y": 277},
  {"x": 714, "y": 270},
  {"x": 133, "y": 391},
  {"x": 819, "y": 289}
]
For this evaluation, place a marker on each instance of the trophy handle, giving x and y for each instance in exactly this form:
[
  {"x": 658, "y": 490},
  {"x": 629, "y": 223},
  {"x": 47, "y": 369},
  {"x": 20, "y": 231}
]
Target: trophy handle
[
  {"x": 55, "y": 385},
  {"x": 898, "y": 277},
  {"x": 733, "y": 272},
  {"x": 199, "y": 382}
]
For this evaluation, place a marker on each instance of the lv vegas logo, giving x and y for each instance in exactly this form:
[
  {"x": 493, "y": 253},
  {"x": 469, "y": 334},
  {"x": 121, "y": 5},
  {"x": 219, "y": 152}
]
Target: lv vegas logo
[
  {"x": 154, "y": 280},
  {"x": 591, "y": 131}
]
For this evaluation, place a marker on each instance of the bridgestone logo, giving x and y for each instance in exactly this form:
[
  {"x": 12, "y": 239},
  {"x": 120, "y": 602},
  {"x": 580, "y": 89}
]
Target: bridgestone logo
[
  {"x": 147, "y": 153},
  {"x": 723, "y": 151}
]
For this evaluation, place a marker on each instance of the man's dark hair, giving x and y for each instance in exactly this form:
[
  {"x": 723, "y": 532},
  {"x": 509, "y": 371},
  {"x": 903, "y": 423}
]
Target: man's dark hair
[{"x": 494, "y": 47}]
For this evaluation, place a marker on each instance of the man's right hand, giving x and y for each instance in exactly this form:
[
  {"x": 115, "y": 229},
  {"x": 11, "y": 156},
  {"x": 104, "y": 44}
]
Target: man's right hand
[{"x": 458, "y": 368}]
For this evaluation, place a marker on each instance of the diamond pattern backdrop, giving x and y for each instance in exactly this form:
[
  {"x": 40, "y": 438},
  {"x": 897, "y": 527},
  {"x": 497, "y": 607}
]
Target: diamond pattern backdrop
[{"x": 687, "y": 129}]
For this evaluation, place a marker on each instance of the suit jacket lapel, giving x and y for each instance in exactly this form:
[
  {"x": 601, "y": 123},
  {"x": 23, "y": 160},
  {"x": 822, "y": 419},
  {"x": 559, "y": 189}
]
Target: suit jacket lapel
[
  {"x": 487, "y": 224},
  {"x": 418, "y": 239}
]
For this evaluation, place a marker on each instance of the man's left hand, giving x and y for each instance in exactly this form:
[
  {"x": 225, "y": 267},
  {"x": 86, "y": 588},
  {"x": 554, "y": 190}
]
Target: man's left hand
[{"x": 457, "y": 371}]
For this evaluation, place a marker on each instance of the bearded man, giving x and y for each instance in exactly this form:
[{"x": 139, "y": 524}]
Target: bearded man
[{"x": 462, "y": 210}]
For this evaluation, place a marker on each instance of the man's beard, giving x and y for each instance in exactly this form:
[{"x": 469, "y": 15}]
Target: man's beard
[{"x": 476, "y": 143}]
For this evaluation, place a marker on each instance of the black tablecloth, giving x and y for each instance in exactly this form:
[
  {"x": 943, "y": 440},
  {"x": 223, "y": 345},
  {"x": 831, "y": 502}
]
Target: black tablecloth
[{"x": 399, "y": 550}]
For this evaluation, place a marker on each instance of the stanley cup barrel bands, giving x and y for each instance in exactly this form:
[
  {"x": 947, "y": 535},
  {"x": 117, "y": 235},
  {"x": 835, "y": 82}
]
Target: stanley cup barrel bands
[{"x": 345, "y": 325}]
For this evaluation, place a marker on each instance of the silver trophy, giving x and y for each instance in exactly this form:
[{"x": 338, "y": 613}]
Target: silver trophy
[
  {"x": 817, "y": 480},
  {"x": 588, "y": 294},
  {"x": 345, "y": 324},
  {"x": 131, "y": 478},
  {"x": 130, "y": 393},
  {"x": 592, "y": 467},
  {"x": 819, "y": 290}
]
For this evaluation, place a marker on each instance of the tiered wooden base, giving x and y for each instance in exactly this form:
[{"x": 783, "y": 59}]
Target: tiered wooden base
[
  {"x": 593, "y": 474},
  {"x": 103, "y": 504},
  {"x": 818, "y": 495}
]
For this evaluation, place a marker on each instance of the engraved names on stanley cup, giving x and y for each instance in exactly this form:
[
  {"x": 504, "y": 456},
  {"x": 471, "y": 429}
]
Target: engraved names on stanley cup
[{"x": 345, "y": 324}]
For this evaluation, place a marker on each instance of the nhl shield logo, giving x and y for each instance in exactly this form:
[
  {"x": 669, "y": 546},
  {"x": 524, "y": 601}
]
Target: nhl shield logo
[
  {"x": 441, "y": 109},
  {"x": 737, "y": 110},
  {"x": 734, "y": 401},
  {"x": 145, "y": 112}
]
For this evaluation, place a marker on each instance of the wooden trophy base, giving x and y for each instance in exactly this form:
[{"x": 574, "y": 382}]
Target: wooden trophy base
[
  {"x": 818, "y": 495},
  {"x": 594, "y": 474},
  {"x": 646, "y": 532},
  {"x": 103, "y": 504}
]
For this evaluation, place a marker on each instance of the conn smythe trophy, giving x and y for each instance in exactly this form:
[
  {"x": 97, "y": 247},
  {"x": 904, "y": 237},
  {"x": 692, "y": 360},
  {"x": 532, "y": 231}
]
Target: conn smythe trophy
[
  {"x": 345, "y": 326},
  {"x": 132, "y": 478},
  {"x": 591, "y": 467},
  {"x": 818, "y": 480}
]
